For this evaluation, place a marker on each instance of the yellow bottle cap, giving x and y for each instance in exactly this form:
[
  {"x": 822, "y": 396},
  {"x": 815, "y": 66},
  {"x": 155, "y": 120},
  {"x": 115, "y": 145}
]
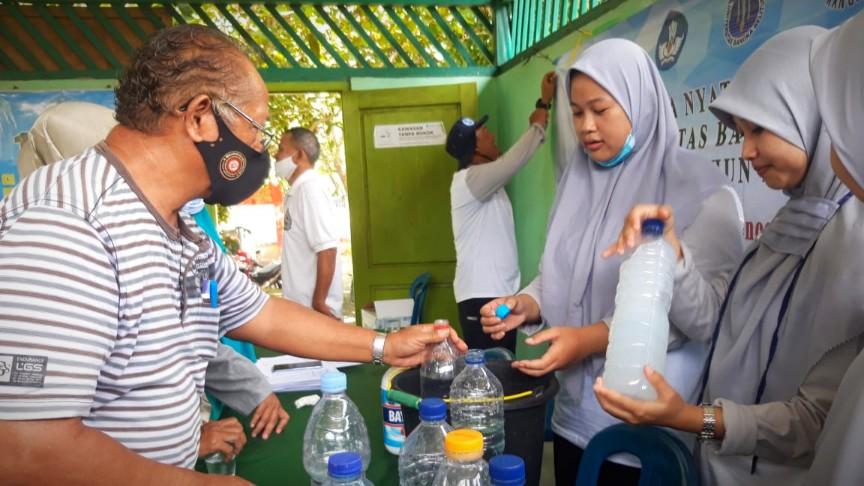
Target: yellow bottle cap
[{"x": 464, "y": 444}]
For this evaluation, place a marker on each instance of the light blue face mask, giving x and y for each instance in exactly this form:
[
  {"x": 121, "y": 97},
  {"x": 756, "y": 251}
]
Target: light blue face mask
[{"x": 625, "y": 152}]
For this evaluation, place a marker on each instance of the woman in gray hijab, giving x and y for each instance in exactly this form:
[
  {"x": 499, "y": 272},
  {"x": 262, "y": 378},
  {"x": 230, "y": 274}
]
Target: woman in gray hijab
[
  {"x": 619, "y": 138},
  {"x": 837, "y": 67},
  {"x": 792, "y": 321}
]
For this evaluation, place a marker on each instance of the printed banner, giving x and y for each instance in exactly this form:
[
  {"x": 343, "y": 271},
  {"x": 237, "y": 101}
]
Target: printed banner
[
  {"x": 18, "y": 112},
  {"x": 698, "y": 46}
]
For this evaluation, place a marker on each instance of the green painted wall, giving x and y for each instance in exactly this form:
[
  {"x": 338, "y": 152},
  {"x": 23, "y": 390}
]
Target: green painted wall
[{"x": 508, "y": 99}]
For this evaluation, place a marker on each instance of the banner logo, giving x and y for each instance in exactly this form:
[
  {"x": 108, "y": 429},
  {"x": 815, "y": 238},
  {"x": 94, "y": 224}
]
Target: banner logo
[
  {"x": 673, "y": 35},
  {"x": 742, "y": 18},
  {"x": 840, "y": 4}
]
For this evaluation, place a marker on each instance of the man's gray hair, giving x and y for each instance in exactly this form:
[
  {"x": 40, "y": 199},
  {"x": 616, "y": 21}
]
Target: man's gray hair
[{"x": 306, "y": 141}]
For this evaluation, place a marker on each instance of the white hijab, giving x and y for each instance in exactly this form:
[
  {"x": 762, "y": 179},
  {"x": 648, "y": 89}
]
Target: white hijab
[
  {"x": 822, "y": 312},
  {"x": 578, "y": 286},
  {"x": 837, "y": 68}
]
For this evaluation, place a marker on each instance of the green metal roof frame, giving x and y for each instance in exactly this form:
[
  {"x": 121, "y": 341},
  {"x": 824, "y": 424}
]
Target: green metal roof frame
[{"x": 316, "y": 40}]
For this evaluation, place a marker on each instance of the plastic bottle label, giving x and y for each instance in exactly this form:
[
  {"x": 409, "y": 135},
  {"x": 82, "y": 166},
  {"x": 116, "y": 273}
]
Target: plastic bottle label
[{"x": 394, "y": 426}]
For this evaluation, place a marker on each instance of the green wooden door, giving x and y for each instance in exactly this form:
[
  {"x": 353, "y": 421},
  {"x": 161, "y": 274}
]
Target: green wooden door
[{"x": 400, "y": 196}]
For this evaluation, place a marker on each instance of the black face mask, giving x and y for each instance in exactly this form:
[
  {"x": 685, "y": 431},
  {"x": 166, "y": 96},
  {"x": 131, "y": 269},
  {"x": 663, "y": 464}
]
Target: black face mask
[{"x": 236, "y": 170}]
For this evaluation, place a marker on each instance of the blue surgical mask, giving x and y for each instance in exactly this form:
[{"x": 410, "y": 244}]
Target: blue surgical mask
[
  {"x": 625, "y": 152},
  {"x": 193, "y": 207}
]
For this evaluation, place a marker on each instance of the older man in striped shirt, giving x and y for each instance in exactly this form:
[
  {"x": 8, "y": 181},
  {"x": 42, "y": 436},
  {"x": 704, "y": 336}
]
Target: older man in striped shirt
[{"x": 111, "y": 302}]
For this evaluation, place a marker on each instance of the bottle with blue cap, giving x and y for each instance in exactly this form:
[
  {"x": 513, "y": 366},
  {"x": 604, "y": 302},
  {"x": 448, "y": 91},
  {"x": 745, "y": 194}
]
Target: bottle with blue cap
[
  {"x": 346, "y": 469},
  {"x": 424, "y": 449},
  {"x": 334, "y": 426},
  {"x": 477, "y": 402},
  {"x": 640, "y": 325},
  {"x": 507, "y": 470}
]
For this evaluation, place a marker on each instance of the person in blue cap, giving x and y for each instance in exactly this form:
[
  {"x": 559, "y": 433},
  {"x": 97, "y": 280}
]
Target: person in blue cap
[{"x": 483, "y": 230}]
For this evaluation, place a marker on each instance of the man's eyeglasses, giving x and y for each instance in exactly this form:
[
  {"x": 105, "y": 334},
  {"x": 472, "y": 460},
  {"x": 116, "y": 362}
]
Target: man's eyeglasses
[{"x": 267, "y": 137}]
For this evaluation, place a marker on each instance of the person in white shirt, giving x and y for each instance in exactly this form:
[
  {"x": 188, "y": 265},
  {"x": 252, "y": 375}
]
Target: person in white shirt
[
  {"x": 487, "y": 264},
  {"x": 311, "y": 271}
]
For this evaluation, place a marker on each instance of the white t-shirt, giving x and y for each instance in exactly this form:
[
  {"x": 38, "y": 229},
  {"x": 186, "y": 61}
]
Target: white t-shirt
[
  {"x": 486, "y": 260},
  {"x": 309, "y": 227}
]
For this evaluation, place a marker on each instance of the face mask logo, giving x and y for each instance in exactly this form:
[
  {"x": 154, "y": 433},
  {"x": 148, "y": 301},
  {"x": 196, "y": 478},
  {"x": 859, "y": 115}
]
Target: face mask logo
[
  {"x": 235, "y": 169},
  {"x": 623, "y": 154},
  {"x": 232, "y": 165}
]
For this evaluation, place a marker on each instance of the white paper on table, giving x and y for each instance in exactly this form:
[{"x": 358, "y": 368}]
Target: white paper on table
[{"x": 298, "y": 373}]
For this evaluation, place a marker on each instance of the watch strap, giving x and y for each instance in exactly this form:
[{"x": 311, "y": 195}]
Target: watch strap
[
  {"x": 709, "y": 422},
  {"x": 378, "y": 348}
]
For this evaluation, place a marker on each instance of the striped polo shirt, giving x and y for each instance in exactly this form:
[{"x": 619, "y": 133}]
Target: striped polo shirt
[{"x": 102, "y": 313}]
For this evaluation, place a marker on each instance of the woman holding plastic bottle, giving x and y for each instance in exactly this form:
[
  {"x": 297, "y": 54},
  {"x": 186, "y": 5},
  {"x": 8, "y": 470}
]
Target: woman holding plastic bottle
[
  {"x": 619, "y": 142},
  {"x": 838, "y": 70},
  {"x": 791, "y": 321}
]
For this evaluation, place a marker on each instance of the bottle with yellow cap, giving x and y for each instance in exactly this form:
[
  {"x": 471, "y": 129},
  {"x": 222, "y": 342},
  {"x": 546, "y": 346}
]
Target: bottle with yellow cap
[{"x": 463, "y": 460}]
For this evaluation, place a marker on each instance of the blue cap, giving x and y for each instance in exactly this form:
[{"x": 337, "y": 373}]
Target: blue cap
[
  {"x": 333, "y": 382},
  {"x": 345, "y": 465},
  {"x": 652, "y": 227},
  {"x": 462, "y": 139},
  {"x": 475, "y": 356},
  {"x": 507, "y": 470},
  {"x": 432, "y": 409},
  {"x": 502, "y": 311}
]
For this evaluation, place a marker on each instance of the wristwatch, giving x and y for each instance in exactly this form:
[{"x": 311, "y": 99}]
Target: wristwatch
[
  {"x": 378, "y": 349},
  {"x": 709, "y": 422},
  {"x": 541, "y": 104}
]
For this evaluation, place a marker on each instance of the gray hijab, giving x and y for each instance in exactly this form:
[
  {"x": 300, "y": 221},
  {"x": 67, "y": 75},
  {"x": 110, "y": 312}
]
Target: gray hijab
[
  {"x": 837, "y": 68},
  {"x": 578, "y": 286},
  {"x": 822, "y": 310}
]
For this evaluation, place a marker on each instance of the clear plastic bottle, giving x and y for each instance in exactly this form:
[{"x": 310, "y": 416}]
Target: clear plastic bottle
[
  {"x": 463, "y": 460},
  {"x": 477, "y": 402},
  {"x": 640, "y": 325},
  {"x": 334, "y": 426},
  {"x": 440, "y": 367},
  {"x": 394, "y": 420},
  {"x": 346, "y": 469},
  {"x": 507, "y": 470},
  {"x": 424, "y": 449}
]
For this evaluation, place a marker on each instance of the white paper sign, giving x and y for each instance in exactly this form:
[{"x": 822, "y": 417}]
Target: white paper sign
[{"x": 409, "y": 135}]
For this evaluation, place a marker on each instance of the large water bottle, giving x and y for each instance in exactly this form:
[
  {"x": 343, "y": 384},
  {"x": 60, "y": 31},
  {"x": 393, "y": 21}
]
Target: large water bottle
[
  {"x": 440, "y": 366},
  {"x": 334, "y": 426},
  {"x": 463, "y": 460},
  {"x": 507, "y": 470},
  {"x": 394, "y": 420},
  {"x": 346, "y": 469},
  {"x": 640, "y": 325},
  {"x": 424, "y": 449},
  {"x": 477, "y": 402}
]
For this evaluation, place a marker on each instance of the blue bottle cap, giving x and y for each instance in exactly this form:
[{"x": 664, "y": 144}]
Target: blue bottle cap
[
  {"x": 345, "y": 465},
  {"x": 432, "y": 409},
  {"x": 652, "y": 227},
  {"x": 502, "y": 311},
  {"x": 475, "y": 356},
  {"x": 334, "y": 382},
  {"x": 507, "y": 470}
]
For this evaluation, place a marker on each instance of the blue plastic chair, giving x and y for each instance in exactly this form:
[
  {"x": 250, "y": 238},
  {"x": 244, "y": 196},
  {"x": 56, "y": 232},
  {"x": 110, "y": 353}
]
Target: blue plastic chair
[
  {"x": 666, "y": 461},
  {"x": 418, "y": 292}
]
